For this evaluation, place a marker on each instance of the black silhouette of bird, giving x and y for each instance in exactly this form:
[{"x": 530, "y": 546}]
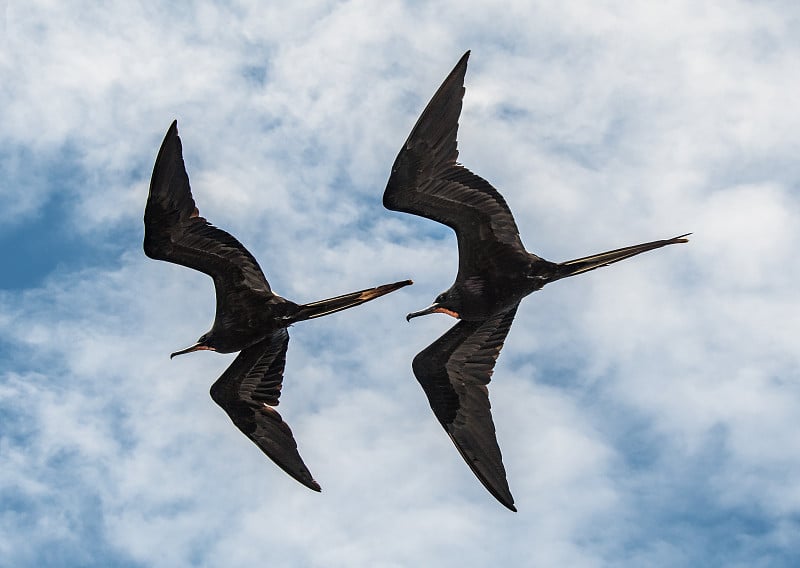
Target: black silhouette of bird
[
  {"x": 249, "y": 318},
  {"x": 495, "y": 273}
]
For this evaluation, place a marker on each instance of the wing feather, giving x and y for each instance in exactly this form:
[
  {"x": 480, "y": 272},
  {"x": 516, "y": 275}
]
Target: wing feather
[
  {"x": 175, "y": 232},
  {"x": 427, "y": 181},
  {"x": 248, "y": 390},
  {"x": 454, "y": 372}
]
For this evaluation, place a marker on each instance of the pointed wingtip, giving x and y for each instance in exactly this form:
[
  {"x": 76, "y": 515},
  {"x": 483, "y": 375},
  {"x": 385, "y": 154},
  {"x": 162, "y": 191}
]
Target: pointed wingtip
[
  {"x": 502, "y": 494},
  {"x": 496, "y": 485},
  {"x": 459, "y": 69},
  {"x": 173, "y": 128},
  {"x": 171, "y": 141}
]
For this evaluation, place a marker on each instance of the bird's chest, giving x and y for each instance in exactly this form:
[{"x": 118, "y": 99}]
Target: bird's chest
[
  {"x": 482, "y": 297},
  {"x": 244, "y": 327}
]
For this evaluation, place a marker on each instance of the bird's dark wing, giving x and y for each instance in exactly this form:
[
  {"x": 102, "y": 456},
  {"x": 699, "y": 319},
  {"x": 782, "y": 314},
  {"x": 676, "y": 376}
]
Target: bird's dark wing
[
  {"x": 454, "y": 372},
  {"x": 427, "y": 181},
  {"x": 175, "y": 232},
  {"x": 248, "y": 390}
]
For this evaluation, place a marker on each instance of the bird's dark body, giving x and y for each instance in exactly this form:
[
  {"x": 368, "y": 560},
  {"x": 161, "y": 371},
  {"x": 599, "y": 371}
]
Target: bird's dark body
[
  {"x": 495, "y": 273},
  {"x": 250, "y": 317},
  {"x": 482, "y": 296}
]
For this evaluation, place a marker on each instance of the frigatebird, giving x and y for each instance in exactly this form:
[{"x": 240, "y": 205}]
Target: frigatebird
[
  {"x": 250, "y": 317},
  {"x": 495, "y": 273}
]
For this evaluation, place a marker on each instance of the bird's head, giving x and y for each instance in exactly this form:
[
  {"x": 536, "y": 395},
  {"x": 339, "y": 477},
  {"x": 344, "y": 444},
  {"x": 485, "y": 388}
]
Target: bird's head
[
  {"x": 203, "y": 344},
  {"x": 448, "y": 302}
]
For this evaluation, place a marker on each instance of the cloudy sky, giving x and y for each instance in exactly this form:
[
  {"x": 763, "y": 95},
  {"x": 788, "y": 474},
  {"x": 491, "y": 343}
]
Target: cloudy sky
[{"x": 648, "y": 413}]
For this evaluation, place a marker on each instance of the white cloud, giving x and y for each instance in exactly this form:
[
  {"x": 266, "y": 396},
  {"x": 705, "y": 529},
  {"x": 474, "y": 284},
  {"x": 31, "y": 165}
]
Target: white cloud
[{"x": 646, "y": 412}]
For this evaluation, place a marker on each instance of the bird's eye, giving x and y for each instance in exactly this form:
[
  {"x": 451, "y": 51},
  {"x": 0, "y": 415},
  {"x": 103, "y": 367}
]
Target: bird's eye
[{"x": 441, "y": 298}]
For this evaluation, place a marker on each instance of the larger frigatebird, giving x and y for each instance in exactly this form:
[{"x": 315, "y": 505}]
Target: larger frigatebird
[
  {"x": 250, "y": 317},
  {"x": 495, "y": 273}
]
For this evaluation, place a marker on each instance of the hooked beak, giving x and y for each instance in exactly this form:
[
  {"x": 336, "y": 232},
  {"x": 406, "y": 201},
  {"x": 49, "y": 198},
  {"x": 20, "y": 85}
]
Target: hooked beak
[
  {"x": 195, "y": 347},
  {"x": 432, "y": 309}
]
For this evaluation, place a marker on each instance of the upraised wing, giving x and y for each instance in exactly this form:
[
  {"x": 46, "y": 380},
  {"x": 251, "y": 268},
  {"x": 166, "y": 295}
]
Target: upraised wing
[
  {"x": 175, "y": 232},
  {"x": 427, "y": 181},
  {"x": 248, "y": 390},
  {"x": 454, "y": 372}
]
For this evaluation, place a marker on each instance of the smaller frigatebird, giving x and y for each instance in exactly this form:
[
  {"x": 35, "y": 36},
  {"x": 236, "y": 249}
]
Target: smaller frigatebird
[
  {"x": 250, "y": 317},
  {"x": 495, "y": 273}
]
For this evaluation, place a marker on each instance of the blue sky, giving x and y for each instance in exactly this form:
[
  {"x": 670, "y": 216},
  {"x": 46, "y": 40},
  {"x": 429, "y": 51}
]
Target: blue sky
[{"x": 647, "y": 413}]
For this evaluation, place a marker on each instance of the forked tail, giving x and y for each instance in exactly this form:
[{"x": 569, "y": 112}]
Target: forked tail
[
  {"x": 339, "y": 303},
  {"x": 587, "y": 263}
]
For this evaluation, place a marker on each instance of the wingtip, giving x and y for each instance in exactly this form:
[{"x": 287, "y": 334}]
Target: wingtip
[
  {"x": 171, "y": 139},
  {"x": 460, "y": 68},
  {"x": 497, "y": 486},
  {"x": 506, "y": 500},
  {"x": 304, "y": 479}
]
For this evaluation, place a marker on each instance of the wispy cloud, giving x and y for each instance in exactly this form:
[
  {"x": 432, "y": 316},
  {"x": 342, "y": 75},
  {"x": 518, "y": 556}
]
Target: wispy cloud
[{"x": 647, "y": 413}]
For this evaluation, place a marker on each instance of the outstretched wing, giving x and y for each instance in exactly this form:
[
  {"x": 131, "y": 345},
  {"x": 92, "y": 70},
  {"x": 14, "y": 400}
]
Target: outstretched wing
[
  {"x": 427, "y": 181},
  {"x": 248, "y": 390},
  {"x": 454, "y": 372},
  {"x": 175, "y": 232}
]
